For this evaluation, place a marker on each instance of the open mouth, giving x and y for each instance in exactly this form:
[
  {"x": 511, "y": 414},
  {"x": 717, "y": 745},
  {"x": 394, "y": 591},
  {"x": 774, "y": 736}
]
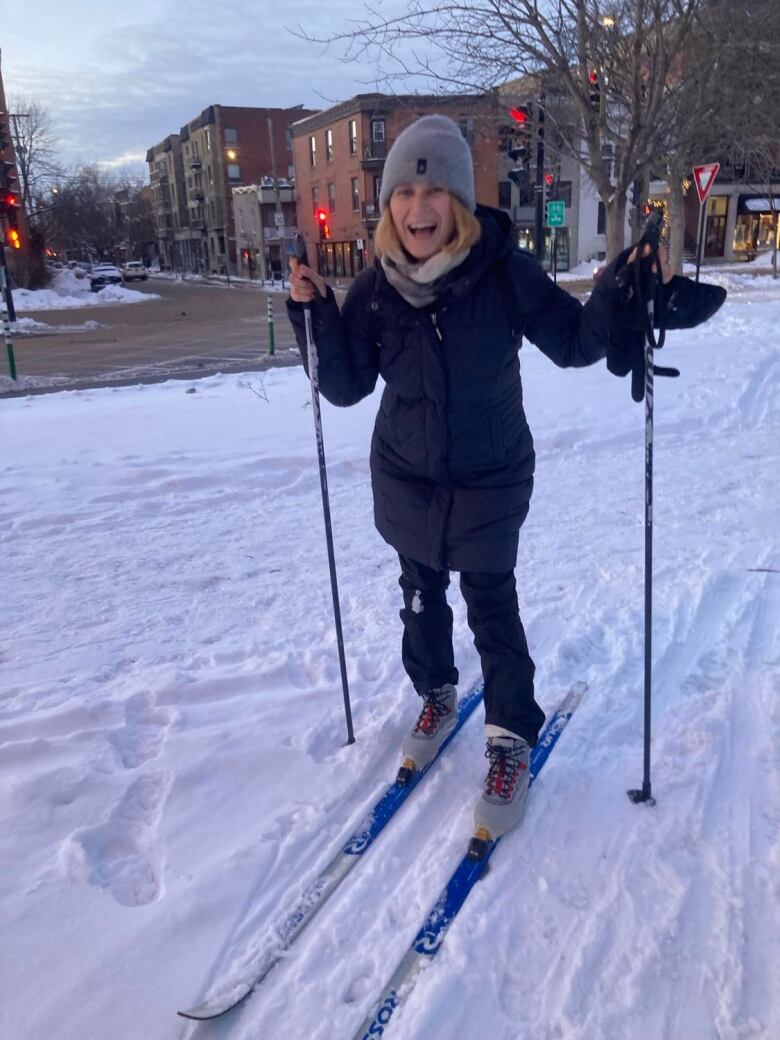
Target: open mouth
[{"x": 421, "y": 230}]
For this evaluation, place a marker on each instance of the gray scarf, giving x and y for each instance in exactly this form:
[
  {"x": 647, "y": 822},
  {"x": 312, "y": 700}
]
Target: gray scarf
[{"x": 420, "y": 283}]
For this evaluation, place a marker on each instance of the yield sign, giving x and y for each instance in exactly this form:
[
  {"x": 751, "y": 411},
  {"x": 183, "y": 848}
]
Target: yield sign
[{"x": 704, "y": 176}]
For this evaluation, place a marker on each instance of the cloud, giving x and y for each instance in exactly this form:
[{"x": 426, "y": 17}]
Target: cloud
[{"x": 134, "y": 79}]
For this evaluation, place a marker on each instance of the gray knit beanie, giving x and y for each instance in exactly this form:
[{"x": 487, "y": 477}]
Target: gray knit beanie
[{"x": 432, "y": 151}]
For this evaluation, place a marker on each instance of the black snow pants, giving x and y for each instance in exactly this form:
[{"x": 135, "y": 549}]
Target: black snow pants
[{"x": 494, "y": 618}]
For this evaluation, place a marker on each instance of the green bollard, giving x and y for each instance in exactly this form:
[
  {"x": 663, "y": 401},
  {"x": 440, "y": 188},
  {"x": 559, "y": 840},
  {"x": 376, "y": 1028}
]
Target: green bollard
[{"x": 9, "y": 343}]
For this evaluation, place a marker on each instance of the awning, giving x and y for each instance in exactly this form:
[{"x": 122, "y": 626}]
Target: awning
[{"x": 757, "y": 204}]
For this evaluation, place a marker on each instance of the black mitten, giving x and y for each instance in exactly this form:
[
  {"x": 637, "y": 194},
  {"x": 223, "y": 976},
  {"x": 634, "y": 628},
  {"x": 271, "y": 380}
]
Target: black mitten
[
  {"x": 679, "y": 304},
  {"x": 688, "y": 303}
]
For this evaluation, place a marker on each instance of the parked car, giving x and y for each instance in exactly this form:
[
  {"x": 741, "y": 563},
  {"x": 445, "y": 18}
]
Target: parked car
[
  {"x": 103, "y": 275},
  {"x": 134, "y": 269}
]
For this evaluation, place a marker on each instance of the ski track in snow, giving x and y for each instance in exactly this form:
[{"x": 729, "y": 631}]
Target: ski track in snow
[{"x": 172, "y": 733}]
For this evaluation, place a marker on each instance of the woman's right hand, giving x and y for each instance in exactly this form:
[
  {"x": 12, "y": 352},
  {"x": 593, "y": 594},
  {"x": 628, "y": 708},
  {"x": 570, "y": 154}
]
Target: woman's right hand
[{"x": 305, "y": 284}]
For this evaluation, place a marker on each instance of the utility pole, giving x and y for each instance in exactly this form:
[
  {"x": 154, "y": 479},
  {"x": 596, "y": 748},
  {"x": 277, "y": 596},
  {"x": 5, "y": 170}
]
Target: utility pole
[{"x": 539, "y": 213}]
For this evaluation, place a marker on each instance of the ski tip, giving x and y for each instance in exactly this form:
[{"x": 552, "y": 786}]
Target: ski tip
[{"x": 215, "y": 1009}]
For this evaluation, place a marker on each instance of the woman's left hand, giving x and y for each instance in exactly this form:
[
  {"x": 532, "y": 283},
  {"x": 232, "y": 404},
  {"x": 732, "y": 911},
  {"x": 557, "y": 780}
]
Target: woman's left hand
[{"x": 663, "y": 260}]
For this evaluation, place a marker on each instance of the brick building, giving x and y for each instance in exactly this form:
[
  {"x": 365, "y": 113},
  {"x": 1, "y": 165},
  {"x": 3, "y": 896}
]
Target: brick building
[
  {"x": 339, "y": 155},
  {"x": 20, "y": 262},
  {"x": 222, "y": 148}
]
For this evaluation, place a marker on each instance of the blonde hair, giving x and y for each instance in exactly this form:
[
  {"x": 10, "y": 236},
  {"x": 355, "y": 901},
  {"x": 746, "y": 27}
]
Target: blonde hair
[{"x": 467, "y": 231}]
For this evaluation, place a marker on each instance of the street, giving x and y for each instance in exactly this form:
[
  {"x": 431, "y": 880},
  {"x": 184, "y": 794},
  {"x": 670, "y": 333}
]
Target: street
[{"x": 194, "y": 329}]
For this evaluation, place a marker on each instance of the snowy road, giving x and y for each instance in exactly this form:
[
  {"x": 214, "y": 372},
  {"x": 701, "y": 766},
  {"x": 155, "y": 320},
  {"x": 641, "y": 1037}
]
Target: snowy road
[{"x": 171, "y": 727}]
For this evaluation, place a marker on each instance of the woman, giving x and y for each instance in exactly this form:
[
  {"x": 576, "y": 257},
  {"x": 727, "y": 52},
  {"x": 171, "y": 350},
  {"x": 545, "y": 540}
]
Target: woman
[{"x": 440, "y": 317}]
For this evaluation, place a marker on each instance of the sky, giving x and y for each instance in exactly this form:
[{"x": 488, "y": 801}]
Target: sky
[{"x": 118, "y": 79}]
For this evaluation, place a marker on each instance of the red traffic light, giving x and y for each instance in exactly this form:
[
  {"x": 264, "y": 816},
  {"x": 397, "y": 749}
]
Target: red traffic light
[
  {"x": 520, "y": 115},
  {"x": 322, "y": 215},
  {"x": 548, "y": 179},
  {"x": 9, "y": 201}
]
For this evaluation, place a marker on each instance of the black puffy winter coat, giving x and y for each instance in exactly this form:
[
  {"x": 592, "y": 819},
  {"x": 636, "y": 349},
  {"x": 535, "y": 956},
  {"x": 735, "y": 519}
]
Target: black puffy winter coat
[{"x": 452, "y": 458}]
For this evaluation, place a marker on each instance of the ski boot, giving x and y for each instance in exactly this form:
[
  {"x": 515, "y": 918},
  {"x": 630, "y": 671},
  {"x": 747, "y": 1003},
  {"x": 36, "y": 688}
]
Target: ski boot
[
  {"x": 434, "y": 724},
  {"x": 502, "y": 803}
]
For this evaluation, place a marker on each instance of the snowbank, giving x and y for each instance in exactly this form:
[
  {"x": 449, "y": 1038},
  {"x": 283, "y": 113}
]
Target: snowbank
[{"x": 69, "y": 290}]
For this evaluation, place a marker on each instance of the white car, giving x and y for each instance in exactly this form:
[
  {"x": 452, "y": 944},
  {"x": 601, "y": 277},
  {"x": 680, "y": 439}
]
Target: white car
[
  {"x": 103, "y": 275},
  {"x": 134, "y": 269}
]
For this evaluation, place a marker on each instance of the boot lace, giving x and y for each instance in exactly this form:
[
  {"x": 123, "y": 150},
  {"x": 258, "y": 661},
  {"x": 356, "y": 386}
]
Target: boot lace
[
  {"x": 433, "y": 711},
  {"x": 506, "y": 767}
]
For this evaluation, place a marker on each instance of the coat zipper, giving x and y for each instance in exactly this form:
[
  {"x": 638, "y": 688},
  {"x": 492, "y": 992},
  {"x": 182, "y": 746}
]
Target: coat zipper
[{"x": 436, "y": 329}]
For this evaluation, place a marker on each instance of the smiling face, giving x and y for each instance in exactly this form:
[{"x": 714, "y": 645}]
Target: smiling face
[{"x": 423, "y": 218}]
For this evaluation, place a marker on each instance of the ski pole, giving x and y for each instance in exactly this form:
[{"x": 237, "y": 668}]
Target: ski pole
[
  {"x": 311, "y": 350},
  {"x": 651, "y": 237}
]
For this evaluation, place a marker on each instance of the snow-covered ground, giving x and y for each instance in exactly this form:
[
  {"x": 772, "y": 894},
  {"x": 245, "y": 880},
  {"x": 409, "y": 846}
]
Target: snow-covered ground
[
  {"x": 69, "y": 290},
  {"x": 171, "y": 722}
]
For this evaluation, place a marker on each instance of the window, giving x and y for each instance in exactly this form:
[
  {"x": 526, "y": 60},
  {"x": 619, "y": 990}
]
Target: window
[
  {"x": 466, "y": 128},
  {"x": 504, "y": 194},
  {"x": 377, "y": 129},
  {"x": 329, "y": 146},
  {"x": 234, "y": 172},
  {"x": 312, "y": 151},
  {"x": 208, "y": 140},
  {"x": 377, "y": 188},
  {"x": 315, "y": 199},
  {"x": 353, "y": 137},
  {"x": 288, "y": 139},
  {"x": 355, "y": 189},
  {"x": 601, "y": 220},
  {"x": 231, "y": 136},
  {"x": 332, "y": 197}
]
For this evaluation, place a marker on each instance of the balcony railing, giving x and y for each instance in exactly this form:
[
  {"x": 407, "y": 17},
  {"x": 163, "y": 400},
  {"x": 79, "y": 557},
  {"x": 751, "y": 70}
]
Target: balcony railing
[
  {"x": 195, "y": 164},
  {"x": 370, "y": 211},
  {"x": 374, "y": 153},
  {"x": 273, "y": 234}
]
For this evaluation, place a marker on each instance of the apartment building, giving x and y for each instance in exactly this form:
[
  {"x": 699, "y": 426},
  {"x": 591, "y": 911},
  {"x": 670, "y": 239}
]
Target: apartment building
[
  {"x": 265, "y": 220},
  {"x": 221, "y": 148},
  {"x": 169, "y": 199},
  {"x": 339, "y": 155}
]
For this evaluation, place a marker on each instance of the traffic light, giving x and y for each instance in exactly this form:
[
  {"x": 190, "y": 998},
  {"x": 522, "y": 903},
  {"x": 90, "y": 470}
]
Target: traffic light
[
  {"x": 519, "y": 177},
  {"x": 519, "y": 114},
  {"x": 520, "y": 149},
  {"x": 594, "y": 90},
  {"x": 322, "y": 223}
]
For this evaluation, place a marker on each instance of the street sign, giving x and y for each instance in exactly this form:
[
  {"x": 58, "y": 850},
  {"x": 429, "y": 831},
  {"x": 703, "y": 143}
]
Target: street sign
[
  {"x": 704, "y": 177},
  {"x": 556, "y": 214}
]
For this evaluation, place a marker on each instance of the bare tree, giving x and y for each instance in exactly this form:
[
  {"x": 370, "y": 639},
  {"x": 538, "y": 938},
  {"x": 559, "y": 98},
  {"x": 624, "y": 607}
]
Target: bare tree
[
  {"x": 614, "y": 62},
  {"x": 81, "y": 217},
  {"x": 727, "y": 106},
  {"x": 34, "y": 143}
]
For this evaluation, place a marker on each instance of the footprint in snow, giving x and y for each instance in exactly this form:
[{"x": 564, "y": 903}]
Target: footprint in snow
[
  {"x": 143, "y": 733},
  {"x": 123, "y": 855}
]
